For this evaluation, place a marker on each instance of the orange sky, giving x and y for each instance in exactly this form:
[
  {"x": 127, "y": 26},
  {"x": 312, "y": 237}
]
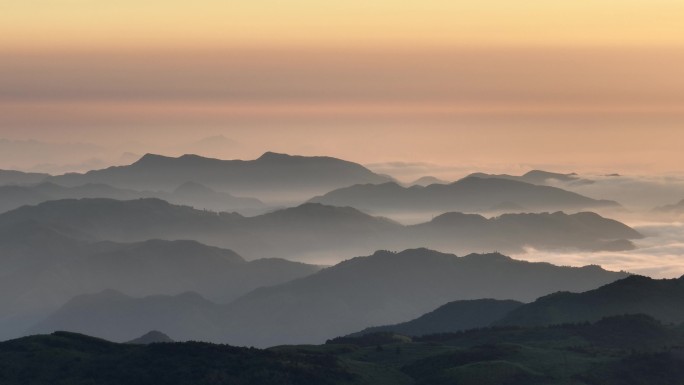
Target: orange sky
[
  {"x": 582, "y": 85},
  {"x": 27, "y": 24}
]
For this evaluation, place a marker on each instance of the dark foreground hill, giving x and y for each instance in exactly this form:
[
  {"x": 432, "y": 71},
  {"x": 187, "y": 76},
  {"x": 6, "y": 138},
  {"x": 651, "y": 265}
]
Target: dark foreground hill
[
  {"x": 624, "y": 350},
  {"x": 324, "y": 232},
  {"x": 380, "y": 289},
  {"x": 73, "y": 359},
  {"x": 452, "y": 317},
  {"x": 271, "y": 176},
  {"x": 631, "y": 349},
  {"x": 470, "y": 194},
  {"x": 661, "y": 299}
]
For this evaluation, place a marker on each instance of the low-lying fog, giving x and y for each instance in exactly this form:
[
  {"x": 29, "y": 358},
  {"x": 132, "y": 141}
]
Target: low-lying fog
[{"x": 660, "y": 254}]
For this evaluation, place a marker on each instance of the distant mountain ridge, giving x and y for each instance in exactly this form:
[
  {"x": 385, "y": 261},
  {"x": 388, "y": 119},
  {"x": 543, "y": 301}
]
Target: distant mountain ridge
[
  {"x": 677, "y": 208},
  {"x": 382, "y": 288},
  {"x": 315, "y": 230},
  {"x": 271, "y": 175},
  {"x": 427, "y": 180},
  {"x": 538, "y": 177},
  {"x": 189, "y": 193},
  {"x": 471, "y": 194},
  {"x": 12, "y": 177},
  {"x": 43, "y": 266}
]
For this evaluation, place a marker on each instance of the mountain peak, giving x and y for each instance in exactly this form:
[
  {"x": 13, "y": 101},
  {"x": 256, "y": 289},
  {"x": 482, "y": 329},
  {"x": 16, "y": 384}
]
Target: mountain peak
[
  {"x": 192, "y": 157},
  {"x": 152, "y": 337},
  {"x": 193, "y": 188},
  {"x": 150, "y": 158},
  {"x": 269, "y": 155}
]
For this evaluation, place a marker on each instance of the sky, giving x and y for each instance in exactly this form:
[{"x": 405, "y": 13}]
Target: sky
[{"x": 412, "y": 87}]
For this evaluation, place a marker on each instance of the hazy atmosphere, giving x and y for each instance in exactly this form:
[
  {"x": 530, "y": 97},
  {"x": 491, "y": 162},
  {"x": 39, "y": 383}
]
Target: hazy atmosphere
[{"x": 342, "y": 193}]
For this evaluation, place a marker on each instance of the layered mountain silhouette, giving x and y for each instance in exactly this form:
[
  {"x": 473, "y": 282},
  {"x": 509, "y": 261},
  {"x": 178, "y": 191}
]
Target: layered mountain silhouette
[
  {"x": 427, "y": 180},
  {"x": 274, "y": 176},
  {"x": 661, "y": 299},
  {"x": 380, "y": 289},
  {"x": 472, "y": 194},
  {"x": 200, "y": 196},
  {"x": 539, "y": 177},
  {"x": 452, "y": 317},
  {"x": 316, "y": 231},
  {"x": 189, "y": 193},
  {"x": 585, "y": 230},
  {"x": 43, "y": 267},
  {"x": 618, "y": 350},
  {"x": 11, "y": 177},
  {"x": 674, "y": 209},
  {"x": 183, "y": 317}
]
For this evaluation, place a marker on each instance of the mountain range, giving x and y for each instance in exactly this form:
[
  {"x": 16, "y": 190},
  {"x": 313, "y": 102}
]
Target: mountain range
[
  {"x": 316, "y": 231},
  {"x": 380, "y": 289},
  {"x": 662, "y": 300},
  {"x": 539, "y": 177},
  {"x": 471, "y": 194},
  {"x": 450, "y": 318},
  {"x": 272, "y": 177},
  {"x": 189, "y": 193},
  {"x": 12, "y": 177},
  {"x": 674, "y": 209},
  {"x": 619, "y": 350},
  {"x": 43, "y": 266}
]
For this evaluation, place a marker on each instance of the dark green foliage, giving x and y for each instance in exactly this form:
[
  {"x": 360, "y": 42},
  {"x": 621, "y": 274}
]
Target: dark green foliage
[
  {"x": 371, "y": 339},
  {"x": 433, "y": 366},
  {"x": 662, "y": 368},
  {"x": 628, "y": 332},
  {"x": 73, "y": 359},
  {"x": 629, "y": 350}
]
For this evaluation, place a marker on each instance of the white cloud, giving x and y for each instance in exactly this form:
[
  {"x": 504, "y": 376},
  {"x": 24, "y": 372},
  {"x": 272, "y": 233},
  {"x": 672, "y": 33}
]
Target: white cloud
[{"x": 659, "y": 255}]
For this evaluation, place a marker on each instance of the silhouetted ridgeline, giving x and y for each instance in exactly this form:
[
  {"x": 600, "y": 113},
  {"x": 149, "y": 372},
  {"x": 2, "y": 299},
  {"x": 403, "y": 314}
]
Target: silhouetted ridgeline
[
  {"x": 538, "y": 177},
  {"x": 677, "y": 208},
  {"x": 269, "y": 175},
  {"x": 662, "y": 299},
  {"x": 67, "y": 358},
  {"x": 189, "y": 193},
  {"x": 318, "y": 231},
  {"x": 376, "y": 290},
  {"x": 452, "y": 317},
  {"x": 470, "y": 194},
  {"x": 152, "y": 337},
  {"x": 44, "y": 266},
  {"x": 11, "y": 177},
  {"x": 632, "y": 349}
]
